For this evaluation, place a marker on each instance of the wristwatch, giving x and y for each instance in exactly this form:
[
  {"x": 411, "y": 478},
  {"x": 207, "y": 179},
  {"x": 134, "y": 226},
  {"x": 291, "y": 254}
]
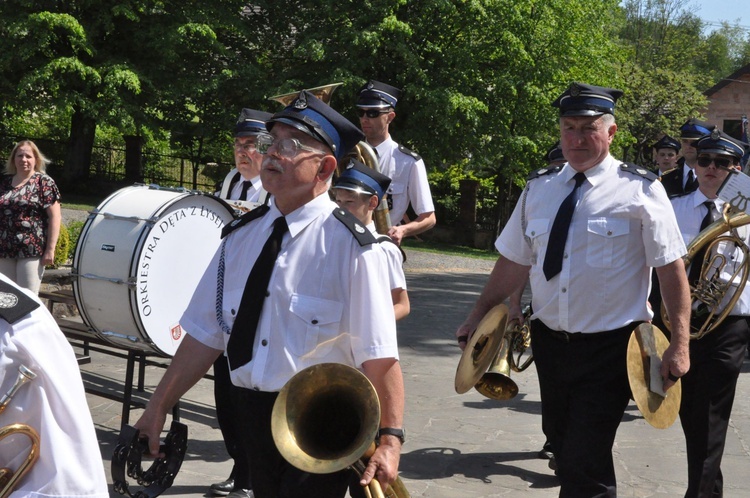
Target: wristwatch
[{"x": 390, "y": 431}]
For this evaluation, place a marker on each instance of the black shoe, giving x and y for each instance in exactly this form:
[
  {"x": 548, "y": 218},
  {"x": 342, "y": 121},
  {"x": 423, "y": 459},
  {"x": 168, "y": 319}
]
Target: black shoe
[
  {"x": 241, "y": 493},
  {"x": 546, "y": 452},
  {"x": 222, "y": 488}
]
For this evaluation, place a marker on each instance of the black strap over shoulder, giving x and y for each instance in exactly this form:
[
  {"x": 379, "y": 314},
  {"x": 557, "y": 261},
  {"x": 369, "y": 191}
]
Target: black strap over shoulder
[
  {"x": 409, "y": 152},
  {"x": 245, "y": 219},
  {"x": 360, "y": 232},
  {"x": 639, "y": 170},
  {"x": 543, "y": 171},
  {"x": 157, "y": 478},
  {"x": 14, "y": 303}
]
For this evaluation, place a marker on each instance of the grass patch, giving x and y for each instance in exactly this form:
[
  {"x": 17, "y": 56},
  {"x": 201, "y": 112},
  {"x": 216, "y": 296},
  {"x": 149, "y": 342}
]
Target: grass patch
[
  {"x": 450, "y": 249},
  {"x": 80, "y": 202}
]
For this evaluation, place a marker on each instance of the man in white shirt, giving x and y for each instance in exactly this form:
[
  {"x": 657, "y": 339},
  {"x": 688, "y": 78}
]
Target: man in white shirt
[
  {"x": 716, "y": 359},
  {"x": 326, "y": 300},
  {"x": 589, "y": 264},
  {"x": 376, "y": 105},
  {"x": 53, "y": 403},
  {"x": 243, "y": 182}
]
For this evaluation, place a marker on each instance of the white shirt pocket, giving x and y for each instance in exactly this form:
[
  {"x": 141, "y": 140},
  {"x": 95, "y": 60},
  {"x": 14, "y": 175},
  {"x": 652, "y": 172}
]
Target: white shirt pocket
[
  {"x": 607, "y": 242},
  {"x": 314, "y": 326},
  {"x": 537, "y": 232}
]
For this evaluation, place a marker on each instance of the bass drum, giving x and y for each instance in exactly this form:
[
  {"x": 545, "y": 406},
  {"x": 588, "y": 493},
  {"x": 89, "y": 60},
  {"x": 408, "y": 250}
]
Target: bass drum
[{"x": 138, "y": 260}]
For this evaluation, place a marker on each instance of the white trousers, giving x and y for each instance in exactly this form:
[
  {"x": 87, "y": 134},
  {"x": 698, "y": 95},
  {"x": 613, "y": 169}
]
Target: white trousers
[{"x": 26, "y": 272}]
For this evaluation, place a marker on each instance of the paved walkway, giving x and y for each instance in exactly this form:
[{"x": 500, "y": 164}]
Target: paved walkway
[{"x": 458, "y": 445}]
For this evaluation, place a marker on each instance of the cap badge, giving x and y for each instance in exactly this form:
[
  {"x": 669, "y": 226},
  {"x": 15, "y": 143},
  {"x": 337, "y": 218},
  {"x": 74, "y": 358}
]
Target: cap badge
[
  {"x": 370, "y": 85},
  {"x": 8, "y": 300},
  {"x": 359, "y": 228},
  {"x": 715, "y": 134},
  {"x": 300, "y": 102},
  {"x": 575, "y": 90}
]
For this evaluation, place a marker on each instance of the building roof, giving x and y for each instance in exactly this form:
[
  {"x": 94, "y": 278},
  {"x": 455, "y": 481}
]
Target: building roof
[{"x": 729, "y": 79}]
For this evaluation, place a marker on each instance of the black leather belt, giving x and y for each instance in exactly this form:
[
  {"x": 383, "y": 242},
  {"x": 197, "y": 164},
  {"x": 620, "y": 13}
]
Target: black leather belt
[{"x": 569, "y": 337}]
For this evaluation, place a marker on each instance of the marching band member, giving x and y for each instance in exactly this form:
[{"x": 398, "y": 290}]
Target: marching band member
[
  {"x": 666, "y": 151},
  {"x": 715, "y": 359},
  {"x": 376, "y": 105},
  {"x": 245, "y": 185},
  {"x": 682, "y": 180},
  {"x": 322, "y": 297},
  {"x": 53, "y": 403},
  {"x": 588, "y": 263}
]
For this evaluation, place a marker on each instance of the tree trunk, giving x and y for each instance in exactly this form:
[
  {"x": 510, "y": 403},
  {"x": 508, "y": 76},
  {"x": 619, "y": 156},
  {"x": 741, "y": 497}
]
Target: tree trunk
[{"x": 80, "y": 145}]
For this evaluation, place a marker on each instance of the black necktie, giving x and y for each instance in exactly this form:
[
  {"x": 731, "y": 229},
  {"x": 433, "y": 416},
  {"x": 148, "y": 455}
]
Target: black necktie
[
  {"x": 695, "y": 268},
  {"x": 245, "y": 187},
  {"x": 240, "y": 346},
  {"x": 559, "y": 233},
  {"x": 692, "y": 184}
]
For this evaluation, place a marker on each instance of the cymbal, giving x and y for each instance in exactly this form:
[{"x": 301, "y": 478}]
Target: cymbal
[
  {"x": 481, "y": 348},
  {"x": 660, "y": 412}
]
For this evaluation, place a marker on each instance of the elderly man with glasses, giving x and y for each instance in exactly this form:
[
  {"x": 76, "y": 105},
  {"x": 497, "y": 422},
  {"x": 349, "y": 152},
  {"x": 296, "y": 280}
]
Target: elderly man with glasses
[
  {"x": 376, "y": 107},
  {"x": 716, "y": 359},
  {"x": 296, "y": 283}
]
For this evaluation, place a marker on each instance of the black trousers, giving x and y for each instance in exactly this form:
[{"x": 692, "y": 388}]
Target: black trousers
[
  {"x": 584, "y": 389},
  {"x": 226, "y": 417},
  {"x": 274, "y": 477},
  {"x": 708, "y": 391}
]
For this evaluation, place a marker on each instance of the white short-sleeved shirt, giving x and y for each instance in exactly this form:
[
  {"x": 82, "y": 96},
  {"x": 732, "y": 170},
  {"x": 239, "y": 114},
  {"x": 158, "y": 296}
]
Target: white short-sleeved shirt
[
  {"x": 395, "y": 260},
  {"x": 408, "y": 181},
  {"x": 689, "y": 210},
  {"x": 54, "y": 404},
  {"x": 623, "y": 224},
  {"x": 253, "y": 193},
  {"x": 329, "y": 298}
]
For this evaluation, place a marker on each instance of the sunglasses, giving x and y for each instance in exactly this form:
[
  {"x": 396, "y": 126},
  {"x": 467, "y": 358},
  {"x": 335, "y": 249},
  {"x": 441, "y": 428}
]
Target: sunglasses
[
  {"x": 371, "y": 113},
  {"x": 705, "y": 162}
]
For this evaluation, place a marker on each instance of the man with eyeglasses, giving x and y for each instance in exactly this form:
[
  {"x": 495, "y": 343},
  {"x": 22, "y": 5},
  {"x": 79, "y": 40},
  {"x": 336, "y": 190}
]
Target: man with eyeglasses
[
  {"x": 376, "y": 106},
  {"x": 241, "y": 184},
  {"x": 716, "y": 359},
  {"x": 683, "y": 179},
  {"x": 295, "y": 283}
]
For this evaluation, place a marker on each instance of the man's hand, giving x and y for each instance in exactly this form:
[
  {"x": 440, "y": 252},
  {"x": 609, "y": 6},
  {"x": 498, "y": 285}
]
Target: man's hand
[
  {"x": 383, "y": 464},
  {"x": 675, "y": 363}
]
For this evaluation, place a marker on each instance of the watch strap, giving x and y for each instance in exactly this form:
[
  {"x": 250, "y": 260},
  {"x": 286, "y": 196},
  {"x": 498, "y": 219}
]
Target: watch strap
[{"x": 390, "y": 431}]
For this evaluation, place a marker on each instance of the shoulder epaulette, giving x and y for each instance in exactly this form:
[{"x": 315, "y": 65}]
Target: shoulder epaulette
[
  {"x": 543, "y": 171},
  {"x": 409, "y": 152},
  {"x": 387, "y": 239},
  {"x": 14, "y": 303},
  {"x": 360, "y": 232},
  {"x": 244, "y": 219},
  {"x": 638, "y": 170}
]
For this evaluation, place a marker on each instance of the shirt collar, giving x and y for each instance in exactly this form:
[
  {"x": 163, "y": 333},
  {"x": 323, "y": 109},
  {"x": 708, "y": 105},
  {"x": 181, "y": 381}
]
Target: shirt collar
[
  {"x": 301, "y": 217},
  {"x": 594, "y": 175}
]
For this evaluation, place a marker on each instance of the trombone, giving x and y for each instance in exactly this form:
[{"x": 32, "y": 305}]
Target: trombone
[{"x": 9, "y": 478}]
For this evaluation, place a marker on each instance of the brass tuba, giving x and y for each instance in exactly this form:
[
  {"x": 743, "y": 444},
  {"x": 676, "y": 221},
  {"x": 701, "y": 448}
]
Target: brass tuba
[
  {"x": 709, "y": 291},
  {"x": 496, "y": 348},
  {"x": 8, "y": 478},
  {"x": 363, "y": 152},
  {"x": 325, "y": 420}
]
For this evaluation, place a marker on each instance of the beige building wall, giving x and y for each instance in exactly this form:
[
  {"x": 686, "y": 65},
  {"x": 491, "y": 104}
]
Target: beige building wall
[{"x": 731, "y": 101}]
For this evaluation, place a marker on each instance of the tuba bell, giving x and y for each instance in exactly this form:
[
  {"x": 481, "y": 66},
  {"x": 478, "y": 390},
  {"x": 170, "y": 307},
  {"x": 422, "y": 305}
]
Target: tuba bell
[
  {"x": 709, "y": 293},
  {"x": 9, "y": 479},
  {"x": 363, "y": 152},
  {"x": 325, "y": 420}
]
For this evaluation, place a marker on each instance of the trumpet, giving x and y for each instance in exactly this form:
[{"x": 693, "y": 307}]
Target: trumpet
[
  {"x": 496, "y": 348},
  {"x": 8, "y": 478}
]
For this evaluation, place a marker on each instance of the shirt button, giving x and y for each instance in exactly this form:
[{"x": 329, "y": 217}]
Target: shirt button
[
  {"x": 268, "y": 293},
  {"x": 234, "y": 312},
  {"x": 264, "y": 342},
  {"x": 564, "y": 290},
  {"x": 609, "y": 232},
  {"x": 314, "y": 322},
  {"x": 533, "y": 233},
  {"x": 565, "y": 256}
]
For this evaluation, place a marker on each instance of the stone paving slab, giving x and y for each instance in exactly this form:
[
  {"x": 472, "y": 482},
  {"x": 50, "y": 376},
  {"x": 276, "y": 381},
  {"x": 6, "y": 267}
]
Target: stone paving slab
[{"x": 458, "y": 445}]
